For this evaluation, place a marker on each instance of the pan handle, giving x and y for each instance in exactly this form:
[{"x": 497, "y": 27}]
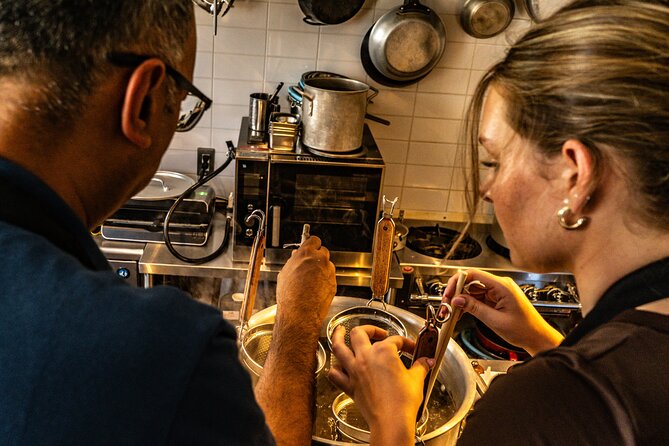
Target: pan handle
[
  {"x": 311, "y": 21},
  {"x": 377, "y": 119},
  {"x": 413, "y": 6}
]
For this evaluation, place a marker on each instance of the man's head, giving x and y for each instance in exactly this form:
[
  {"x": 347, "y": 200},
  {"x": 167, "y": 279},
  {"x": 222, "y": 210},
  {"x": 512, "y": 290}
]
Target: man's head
[
  {"x": 90, "y": 126},
  {"x": 59, "y": 47}
]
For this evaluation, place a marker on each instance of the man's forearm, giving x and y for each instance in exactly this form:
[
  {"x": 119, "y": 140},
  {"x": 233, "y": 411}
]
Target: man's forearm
[{"x": 285, "y": 391}]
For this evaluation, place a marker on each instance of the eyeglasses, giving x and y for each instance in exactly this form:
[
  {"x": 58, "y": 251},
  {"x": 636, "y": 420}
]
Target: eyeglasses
[{"x": 187, "y": 120}]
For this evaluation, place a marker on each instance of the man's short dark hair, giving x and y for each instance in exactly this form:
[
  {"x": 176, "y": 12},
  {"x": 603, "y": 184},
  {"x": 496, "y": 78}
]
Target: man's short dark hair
[{"x": 59, "y": 47}]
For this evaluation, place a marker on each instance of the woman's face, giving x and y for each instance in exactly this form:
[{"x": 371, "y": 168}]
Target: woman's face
[{"x": 522, "y": 185}]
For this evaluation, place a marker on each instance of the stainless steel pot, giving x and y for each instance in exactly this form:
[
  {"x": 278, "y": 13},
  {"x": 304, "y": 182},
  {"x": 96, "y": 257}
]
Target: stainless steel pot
[
  {"x": 333, "y": 114},
  {"x": 456, "y": 372}
]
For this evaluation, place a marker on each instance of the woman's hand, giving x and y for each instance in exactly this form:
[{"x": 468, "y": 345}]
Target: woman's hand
[
  {"x": 503, "y": 307},
  {"x": 384, "y": 390}
]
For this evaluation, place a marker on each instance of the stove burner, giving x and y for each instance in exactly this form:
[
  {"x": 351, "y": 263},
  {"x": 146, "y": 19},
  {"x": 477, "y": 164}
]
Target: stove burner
[
  {"x": 435, "y": 241},
  {"x": 497, "y": 248}
]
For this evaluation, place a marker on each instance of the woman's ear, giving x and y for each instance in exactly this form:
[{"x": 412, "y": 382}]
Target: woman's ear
[
  {"x": 578, "y": 175},
  {"x": 140, "y": 102}
]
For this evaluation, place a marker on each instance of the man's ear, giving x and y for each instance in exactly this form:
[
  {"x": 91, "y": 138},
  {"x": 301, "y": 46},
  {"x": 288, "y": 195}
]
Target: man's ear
[
  {"x": 139, "y": 101},
  {"x": 579, "y": 174}
]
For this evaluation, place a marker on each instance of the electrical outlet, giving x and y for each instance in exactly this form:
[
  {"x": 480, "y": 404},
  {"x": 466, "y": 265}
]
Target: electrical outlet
[{"x": 205, "y": 161}]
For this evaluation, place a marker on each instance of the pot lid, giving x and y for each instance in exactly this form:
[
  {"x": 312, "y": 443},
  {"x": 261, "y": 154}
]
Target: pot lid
[{"x": 165, "y": 185}]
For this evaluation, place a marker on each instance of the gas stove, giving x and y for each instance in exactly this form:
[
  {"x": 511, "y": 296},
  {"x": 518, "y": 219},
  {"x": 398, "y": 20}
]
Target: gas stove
[{"x": 426, "y": 272}]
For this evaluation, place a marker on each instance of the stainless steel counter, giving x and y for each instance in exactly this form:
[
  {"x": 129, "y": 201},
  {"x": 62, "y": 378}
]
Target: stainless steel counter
[{"x": 156, "y": 259}]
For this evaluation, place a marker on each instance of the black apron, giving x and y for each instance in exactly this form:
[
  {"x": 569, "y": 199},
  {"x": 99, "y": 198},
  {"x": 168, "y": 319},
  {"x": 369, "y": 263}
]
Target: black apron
[{"x": 645, "y": 285}]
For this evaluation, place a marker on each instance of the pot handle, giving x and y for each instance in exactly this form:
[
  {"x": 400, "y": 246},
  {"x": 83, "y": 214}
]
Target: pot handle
[
  {"x": 308, "y": 97},
  {"x": 377, "y": 119},
  {"x": 375, "y": 93}
]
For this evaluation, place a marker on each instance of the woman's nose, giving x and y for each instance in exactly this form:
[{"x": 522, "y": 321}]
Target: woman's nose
[{"x": 485, "y": 195}]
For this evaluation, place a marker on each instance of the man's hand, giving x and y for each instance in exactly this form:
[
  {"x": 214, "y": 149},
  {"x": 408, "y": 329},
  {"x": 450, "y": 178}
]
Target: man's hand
[{"x": 306, "y": 286}]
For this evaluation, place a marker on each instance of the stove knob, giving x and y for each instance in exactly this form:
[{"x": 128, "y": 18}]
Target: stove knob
[
  {"x": 249, "y": 232},
  {"x": 123, "y": 273}
]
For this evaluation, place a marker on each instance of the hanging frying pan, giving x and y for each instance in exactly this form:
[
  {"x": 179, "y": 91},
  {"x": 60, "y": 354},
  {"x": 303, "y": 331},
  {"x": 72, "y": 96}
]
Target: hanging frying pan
[
  {"x": 329, "y": 12},
  {"x": 403, "y": 45},
  {"x": 486, "y": 18}
]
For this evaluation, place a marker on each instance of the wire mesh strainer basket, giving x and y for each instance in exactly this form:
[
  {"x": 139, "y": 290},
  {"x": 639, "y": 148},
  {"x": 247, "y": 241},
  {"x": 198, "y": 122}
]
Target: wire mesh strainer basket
[
  {"x": 365, "y": 315},
  {"x": 255, "y": 345},
  {"x": 351, "y": 424}
]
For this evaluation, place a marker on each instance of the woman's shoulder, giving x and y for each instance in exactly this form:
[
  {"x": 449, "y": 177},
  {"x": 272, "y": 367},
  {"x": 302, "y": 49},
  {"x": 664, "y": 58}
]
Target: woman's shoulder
[{"x": 611, "y": 375}]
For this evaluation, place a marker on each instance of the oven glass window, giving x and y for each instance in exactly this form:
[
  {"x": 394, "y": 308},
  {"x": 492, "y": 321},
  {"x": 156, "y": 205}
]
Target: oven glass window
[{"x": 338, "y": 202}]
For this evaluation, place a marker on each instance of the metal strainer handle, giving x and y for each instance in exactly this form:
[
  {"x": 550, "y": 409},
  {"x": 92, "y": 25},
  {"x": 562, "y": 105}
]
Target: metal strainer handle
[
  {"x": 374, "y": 299},
  {"x": 251, "y": 285}
]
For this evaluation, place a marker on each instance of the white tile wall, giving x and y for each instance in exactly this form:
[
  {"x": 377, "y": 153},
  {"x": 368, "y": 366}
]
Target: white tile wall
[{"x": 262, "y": 42}]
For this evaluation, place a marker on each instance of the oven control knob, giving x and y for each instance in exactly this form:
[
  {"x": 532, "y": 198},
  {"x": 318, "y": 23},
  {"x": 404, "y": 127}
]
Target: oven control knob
[
  {"x": 249, "y": 232},
  {"x": 123, "y": 273},
  {"x": 249, "y": 207}
]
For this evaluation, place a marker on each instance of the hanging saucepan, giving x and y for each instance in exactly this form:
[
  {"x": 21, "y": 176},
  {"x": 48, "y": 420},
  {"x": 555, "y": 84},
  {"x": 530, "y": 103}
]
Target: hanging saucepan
[
  {"x": 540, "y": 10},
  {"x": 329, "y": 12},
  {"x": 486, "y": 18},
  {"x": 404, "y": 45}
]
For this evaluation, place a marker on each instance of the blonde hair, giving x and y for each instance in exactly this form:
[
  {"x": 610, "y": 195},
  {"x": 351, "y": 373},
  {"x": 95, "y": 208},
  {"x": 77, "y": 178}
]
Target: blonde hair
[{"x": 597, "y": 72}]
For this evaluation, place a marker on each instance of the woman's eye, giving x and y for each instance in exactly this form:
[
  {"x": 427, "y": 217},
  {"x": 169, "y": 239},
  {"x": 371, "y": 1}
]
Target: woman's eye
[{"x": 490, "y": 164}]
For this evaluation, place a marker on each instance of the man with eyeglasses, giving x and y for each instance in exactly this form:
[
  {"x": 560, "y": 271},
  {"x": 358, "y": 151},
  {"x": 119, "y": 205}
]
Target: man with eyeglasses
[{"x": 91, "y": 93}]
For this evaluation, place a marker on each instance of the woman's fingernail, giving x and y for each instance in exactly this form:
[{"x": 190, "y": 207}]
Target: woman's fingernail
[{"x": 430, "y": 362}]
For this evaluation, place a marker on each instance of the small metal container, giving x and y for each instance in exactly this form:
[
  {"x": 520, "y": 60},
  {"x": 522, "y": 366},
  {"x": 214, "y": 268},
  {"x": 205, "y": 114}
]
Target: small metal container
[{"x": 283, "y": 131}]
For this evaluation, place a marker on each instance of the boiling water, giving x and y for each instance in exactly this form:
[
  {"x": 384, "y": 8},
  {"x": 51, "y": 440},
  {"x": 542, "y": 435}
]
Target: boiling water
[{"x": 441, "y": 408}]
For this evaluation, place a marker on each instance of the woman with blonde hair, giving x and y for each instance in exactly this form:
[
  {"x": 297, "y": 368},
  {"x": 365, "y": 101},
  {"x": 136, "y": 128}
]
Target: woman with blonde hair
[{"x": 574, "y": 128}]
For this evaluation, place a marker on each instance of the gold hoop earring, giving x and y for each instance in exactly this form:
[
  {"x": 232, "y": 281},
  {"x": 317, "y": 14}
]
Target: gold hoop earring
[{"x": 565, "y": 212}]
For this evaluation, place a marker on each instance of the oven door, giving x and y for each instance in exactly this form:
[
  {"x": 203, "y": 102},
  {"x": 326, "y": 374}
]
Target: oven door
[{"x": 339, "y": 202}]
